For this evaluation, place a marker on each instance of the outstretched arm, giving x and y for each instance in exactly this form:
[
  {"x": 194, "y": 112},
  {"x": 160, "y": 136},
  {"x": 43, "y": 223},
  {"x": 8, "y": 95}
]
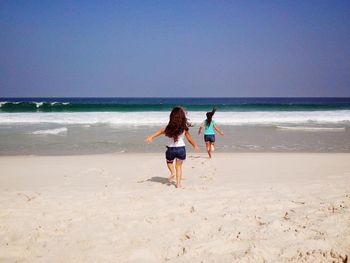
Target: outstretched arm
[
  {"x": 150, "y": 138},
  {"x": 200, "y": 129},
  {"x": 191, "y": 141},
  {"x": 218, "y": 130}
]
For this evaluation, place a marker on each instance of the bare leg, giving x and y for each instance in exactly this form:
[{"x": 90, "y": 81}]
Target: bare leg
[
  {"x": 208, "y": 146},
  {"x": 178, "y": 167},
  {"x": 172, "y": 171}
]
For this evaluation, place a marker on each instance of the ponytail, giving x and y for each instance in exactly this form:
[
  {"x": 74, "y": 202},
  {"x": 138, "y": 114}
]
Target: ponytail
[{"x": 210, "y": 116}]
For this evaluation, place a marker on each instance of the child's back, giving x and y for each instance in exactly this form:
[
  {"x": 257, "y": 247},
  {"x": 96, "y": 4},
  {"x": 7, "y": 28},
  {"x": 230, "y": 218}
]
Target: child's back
[
  {"x": 209, "y": 127},
  {"x": 176, "y": 130}
]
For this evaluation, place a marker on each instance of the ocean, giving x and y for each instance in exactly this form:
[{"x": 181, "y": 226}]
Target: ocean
[{"x": 56, "y": 126}]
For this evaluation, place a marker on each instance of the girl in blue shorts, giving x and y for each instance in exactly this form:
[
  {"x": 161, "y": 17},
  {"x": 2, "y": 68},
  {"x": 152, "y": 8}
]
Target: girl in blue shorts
[
  {"x": 177, "y": 129},
  {"x": 209, "y": 127}
]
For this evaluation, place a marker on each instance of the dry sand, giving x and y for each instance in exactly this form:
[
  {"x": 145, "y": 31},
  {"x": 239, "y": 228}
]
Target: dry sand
[{"x": 119, "y": 208}]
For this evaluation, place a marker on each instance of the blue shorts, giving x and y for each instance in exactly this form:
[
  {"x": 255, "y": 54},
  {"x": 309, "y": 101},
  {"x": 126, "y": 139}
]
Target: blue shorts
[
  {"x": 209, "y": 138},
  {"x": 175, "y": 152}
]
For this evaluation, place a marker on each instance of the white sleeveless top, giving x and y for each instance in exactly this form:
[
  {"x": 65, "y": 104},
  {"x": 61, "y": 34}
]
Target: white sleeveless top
[{"x": 179, "y": 143}]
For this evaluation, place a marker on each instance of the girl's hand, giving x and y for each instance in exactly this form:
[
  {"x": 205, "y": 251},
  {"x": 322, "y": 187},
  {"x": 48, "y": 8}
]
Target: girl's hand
[
  {"x": 200, "y": 129},
  {"x": 149, "y": 139},
  {"x": 196, "y": 148},
  {"x": 222, "y": 133}
]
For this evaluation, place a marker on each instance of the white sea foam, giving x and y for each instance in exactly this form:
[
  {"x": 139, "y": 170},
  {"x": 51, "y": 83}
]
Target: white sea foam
[
  {"x": 305, "y": 128},
  {"x": 2, "y": 103},
  {"x": 50, "y": 131},
  {"x": 38, "y": 104},
  {"x": 283, "y": 118}
]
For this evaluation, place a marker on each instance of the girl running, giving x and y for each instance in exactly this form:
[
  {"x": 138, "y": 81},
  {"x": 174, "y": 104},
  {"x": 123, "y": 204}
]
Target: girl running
[
  {"x": 209, "y": 131},
  {"x": 177, "y": 129}
]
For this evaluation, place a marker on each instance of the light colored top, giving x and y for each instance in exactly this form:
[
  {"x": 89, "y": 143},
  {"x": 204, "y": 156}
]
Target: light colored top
[
  {"x": 209, "y": 130},
  {"x": 179, "y": 143}
]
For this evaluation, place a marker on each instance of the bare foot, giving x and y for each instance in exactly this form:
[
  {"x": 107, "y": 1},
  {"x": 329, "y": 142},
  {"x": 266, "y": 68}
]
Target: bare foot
[
  {"x": 178, "y": 186},
  {"x": 171, "y": 178}
]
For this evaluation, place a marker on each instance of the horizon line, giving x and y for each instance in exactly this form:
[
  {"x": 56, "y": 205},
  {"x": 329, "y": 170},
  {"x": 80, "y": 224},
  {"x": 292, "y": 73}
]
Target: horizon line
[{"x": 189, "y": 97}]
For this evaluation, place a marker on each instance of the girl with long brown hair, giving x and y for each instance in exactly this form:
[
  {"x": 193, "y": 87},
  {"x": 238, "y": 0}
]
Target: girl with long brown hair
[{"x": 177, "y": 129}]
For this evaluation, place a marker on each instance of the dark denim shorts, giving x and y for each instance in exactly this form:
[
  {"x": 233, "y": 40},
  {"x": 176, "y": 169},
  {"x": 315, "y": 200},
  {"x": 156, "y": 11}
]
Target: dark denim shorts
[
  {"x": 209, "y": 138},
  {"x": 175, "y": 152}
]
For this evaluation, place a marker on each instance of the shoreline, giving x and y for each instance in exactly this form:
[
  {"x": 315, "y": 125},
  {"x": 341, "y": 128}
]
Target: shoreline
[
  {"x": 189, "y": 152},
  {"x": 50, "y": 139}
]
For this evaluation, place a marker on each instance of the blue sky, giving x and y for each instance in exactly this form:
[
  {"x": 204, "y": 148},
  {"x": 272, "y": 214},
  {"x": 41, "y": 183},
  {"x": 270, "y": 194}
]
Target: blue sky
[{"x": 174, "y": 48}]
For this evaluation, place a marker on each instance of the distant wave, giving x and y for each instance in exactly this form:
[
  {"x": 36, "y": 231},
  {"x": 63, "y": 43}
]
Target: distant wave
[
  {"x": 274, "y": 118},
  {"x": 50, "y": 131},
  {"x": 2, "y": 103},
  {"x": 34, "y": 106},
  {"x": 65, "y": 106},
  {"x": 38, "y": 104}
]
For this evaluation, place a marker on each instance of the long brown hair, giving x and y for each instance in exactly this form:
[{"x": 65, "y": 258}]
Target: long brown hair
[
  {"x": 210, "y": 115},
  {"x": 178, "y": 123}
]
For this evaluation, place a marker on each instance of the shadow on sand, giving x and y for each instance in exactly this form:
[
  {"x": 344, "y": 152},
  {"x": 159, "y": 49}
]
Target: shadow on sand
[{"x": 157, "y": 179}]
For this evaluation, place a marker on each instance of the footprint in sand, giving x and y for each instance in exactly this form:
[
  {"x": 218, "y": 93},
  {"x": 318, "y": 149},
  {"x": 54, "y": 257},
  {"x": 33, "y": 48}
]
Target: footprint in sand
[
  {"x": 317, "y": 255},
  {"x": 207, "y": 171},
  {"x": 84, "y": 244},
  {"x": 175, "y": 252},
  {"x": 205, "y": 177},
  {"x": 29, "y": 198}
]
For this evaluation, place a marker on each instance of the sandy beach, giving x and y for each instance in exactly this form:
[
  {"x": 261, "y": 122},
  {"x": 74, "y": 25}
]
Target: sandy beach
[
  {"x": 95, "y": 95},
  {"x": 250, "y": 207}
]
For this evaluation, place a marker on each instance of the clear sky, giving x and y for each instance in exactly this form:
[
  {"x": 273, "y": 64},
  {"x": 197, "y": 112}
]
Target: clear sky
[{"x": 175, "y": 48}]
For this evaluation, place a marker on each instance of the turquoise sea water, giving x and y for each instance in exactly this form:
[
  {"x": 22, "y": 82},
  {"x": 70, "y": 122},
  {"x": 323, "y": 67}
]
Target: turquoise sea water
[{"x": 165, "y": 104}]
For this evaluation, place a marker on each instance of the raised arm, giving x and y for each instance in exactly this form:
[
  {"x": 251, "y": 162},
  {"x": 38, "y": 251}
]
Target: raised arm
[
  {"x": 150, "y": 138},
  {"x": 218, "y": 130},
  {"x": 191, "y": 141}
]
